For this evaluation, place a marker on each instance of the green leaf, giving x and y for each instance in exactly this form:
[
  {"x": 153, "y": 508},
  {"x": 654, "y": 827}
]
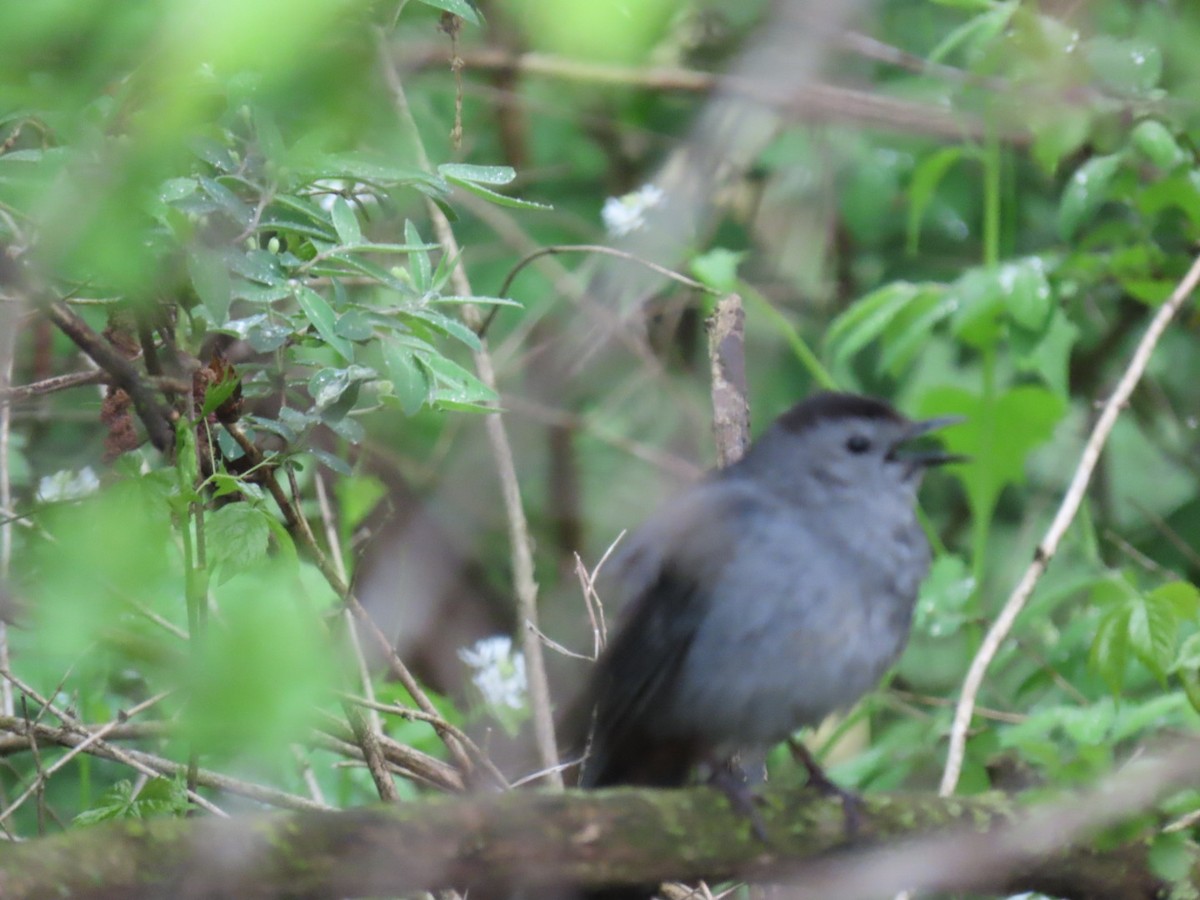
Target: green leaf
[
  {"x": 408, "y": 379},
  {"x": 419, "y": 266},
  {"x": 355, "y": 325},
  {"x": 998, "y": 435},
  {"x": 1109, "y": 654},
  {"x": 1027, "y": 291},
  {"x": 218, "y": 393},
  {"x": 236, "y": 537},
  {"x": 499, "y": 199},
  {"x": 210, "y": 278},
  {"x": 1154, "y": 141},
  {"x": 444, "y": 324},
  {"x": 252, "y": 683},
  {"x": 1129, "y": 66},
  {"x": 718, "y": 269},
  {"x": 461, "y": 8},
  {"x": 866, "y": 320},
  {"x": 909, "y": 332},
  {"x": 321, "y": 316},
  {"x": 1048, "y": 353},
  {"x": 329, "y": 385},
  {"x": 460, "y": 172},
  {"x": 1171, "y": 858},
  {"x": 925, "y": 180},
  {"x": 357, "y": 496},
  {"x": 979, "y": 297},
  {"x": 1086, "y": 192},
  {"x": 455, "y": 385},
  {"x": 977, "y": 32},
  {"x": 945, "y": 597},
  {"x": 158, "y": 797},
  {"x": 346, "y": 222}
]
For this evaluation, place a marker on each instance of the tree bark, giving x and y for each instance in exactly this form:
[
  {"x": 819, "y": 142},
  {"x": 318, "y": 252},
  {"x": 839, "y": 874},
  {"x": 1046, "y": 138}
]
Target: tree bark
[{"x": 530, "y": 839}]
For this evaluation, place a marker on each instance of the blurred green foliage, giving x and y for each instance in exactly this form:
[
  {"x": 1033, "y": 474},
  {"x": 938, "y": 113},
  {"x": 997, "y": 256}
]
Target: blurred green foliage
[{"x": 244, "y": 177}]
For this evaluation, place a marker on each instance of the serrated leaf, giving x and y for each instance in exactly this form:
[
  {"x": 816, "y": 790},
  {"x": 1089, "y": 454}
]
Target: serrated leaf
[
  {"x": 998, "y": 434},
  {"x": 321, "y": 316},
  {"x": 345, "y": 222},
  {"x": 218, "y": 393},
  {"x": 236, "y": 537}
]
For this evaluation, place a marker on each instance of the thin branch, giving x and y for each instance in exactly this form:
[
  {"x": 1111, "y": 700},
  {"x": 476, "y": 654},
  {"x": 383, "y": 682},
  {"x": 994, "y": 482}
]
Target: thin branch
[
  {"x": 730, "y": 395},
  {"x": 808, "y": 102},
  {"x": 93, "y": 737},
  {"x": 74, "y": 732},
  {"x": 7, "y": 353},
  {"x": 158, "y": 418},
  {"x": 21, "y": 392},
  {"x": 520, "y": 543},
  {"x": 1058, "y": 527}
]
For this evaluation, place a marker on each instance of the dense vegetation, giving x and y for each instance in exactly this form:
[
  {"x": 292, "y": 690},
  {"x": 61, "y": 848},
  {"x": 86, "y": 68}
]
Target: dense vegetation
[{"x": 295, "y": 333}]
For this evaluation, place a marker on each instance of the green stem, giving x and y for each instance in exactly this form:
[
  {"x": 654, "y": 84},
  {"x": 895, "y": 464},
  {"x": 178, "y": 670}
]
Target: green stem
[{"x": 803, "y": 352}]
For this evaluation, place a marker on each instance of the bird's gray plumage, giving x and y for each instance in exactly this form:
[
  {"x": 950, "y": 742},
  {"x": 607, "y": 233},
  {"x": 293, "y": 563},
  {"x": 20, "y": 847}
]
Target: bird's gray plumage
[{"x": 762, "y": 599}]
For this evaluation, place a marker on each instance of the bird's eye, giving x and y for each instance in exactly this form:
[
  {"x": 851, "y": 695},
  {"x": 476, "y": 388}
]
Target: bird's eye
[{"x": 858, "y": 443}]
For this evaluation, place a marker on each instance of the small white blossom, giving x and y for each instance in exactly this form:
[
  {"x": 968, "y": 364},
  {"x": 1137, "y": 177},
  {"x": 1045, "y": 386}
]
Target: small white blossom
[
  {"x": 67, "y": 485},
  {"x": 625, "y": 215},
  {"x": 499, "y": 673}
]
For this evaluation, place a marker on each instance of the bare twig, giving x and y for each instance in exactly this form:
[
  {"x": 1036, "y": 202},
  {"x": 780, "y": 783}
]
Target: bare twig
[
  {"x": 7, "y": 351},
  {"x": 15, "y": 394},
  {"x": 811, "y": 102},
  {"x": 730, "y": 396},
  {"x": 1058, "y": 527},
  {"x": 437, "y": 721},
  {"x": 75, "y": 732},
  {"x": 157, "y": 418},
  {"x": 402, "y": 674},
  {"x": 524, "y": 585},
  {"x": 92, "y": 738}
]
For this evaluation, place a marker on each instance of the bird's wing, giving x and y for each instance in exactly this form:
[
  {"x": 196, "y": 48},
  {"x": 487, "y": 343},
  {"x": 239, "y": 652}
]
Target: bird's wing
[{"x": 661, "y": 578}]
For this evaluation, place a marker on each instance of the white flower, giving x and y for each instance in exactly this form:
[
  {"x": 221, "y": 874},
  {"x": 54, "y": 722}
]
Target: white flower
[
  {"x": 67, "y": 485},
  {"x": 624, "y": 215},
  {"x": 499, "y": 672}
]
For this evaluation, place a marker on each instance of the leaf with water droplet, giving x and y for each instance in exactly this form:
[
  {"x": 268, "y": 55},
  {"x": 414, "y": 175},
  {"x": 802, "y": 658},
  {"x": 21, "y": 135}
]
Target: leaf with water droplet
[{"x": 1086, "y": 192}]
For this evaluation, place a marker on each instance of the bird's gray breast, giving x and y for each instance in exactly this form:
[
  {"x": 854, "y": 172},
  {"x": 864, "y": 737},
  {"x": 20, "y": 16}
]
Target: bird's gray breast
[{"x": 806, "y": 615}]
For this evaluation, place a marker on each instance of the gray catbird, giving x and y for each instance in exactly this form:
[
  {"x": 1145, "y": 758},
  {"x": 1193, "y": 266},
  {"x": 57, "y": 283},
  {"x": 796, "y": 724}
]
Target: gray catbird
[{"x": 763, "y": 598}]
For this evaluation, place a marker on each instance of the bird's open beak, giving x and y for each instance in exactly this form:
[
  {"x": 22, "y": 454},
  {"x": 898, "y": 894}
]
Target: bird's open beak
[{"x": 925, "y": 455}]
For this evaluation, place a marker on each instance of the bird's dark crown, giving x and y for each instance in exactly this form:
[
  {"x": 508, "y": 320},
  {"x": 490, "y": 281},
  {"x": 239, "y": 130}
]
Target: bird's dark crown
[{"x": 831, "y": 405}]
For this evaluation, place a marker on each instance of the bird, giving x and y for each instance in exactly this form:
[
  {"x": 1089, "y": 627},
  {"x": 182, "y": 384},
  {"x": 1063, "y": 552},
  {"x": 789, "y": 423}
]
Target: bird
[{"x": 761, "y": 599}]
